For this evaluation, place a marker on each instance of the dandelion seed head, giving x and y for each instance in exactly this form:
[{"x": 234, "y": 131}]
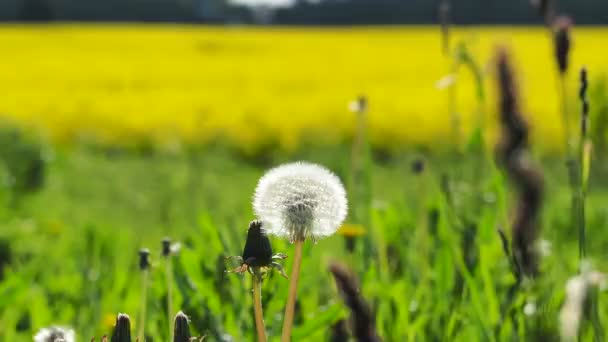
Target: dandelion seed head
[
  {"x": 55, "y": 334},
  {"x": 300, "y": 200},
  {"x": 572, "y": 311}
]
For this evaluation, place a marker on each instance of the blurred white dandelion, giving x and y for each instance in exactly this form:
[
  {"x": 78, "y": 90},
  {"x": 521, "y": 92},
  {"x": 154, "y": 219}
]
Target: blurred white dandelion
[
  {"x": 577, "y": 290},
  {"x": 55, "y": 334},
  {"x": 299, "y": 201}
]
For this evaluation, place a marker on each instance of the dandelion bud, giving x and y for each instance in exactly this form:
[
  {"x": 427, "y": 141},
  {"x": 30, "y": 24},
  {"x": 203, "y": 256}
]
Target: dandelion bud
[
  {"x": 122, "y": 330},
  {"x": 257, "y": 251},
  {"x": 166, "y": 244},
  {"x": 55, "y": 334},
  {"x": 418, "y": 166},
  {"x": 144, "y": 259},
  {"x": 181, "y": 332},
  {"x": 300, "y": 200},
  {"x": 562, "y": 42}
]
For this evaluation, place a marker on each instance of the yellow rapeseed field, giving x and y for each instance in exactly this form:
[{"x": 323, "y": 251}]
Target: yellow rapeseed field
[{"x": 121, "y": 84}]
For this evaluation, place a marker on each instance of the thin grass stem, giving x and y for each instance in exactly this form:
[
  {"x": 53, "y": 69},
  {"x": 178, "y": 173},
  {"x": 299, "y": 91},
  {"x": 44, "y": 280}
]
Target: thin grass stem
[
  {"x": 144, "y": 299},
  {"x": 293, "y": 289},
  {"x": 169, "y": 277}
]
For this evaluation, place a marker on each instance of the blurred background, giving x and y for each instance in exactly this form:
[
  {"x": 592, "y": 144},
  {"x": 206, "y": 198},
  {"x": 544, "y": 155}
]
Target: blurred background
[{"x": 292, "y": 12}]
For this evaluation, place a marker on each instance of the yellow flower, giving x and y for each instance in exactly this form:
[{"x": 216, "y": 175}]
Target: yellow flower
[{"x": 351, "y": 230}]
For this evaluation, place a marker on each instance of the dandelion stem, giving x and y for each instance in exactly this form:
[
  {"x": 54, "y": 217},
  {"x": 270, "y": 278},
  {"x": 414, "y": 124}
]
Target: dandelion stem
[
  {"x": 169, "y": 276},
  {"x": 293, "y": 288},
  {"x": 144, "y": 299},
  {"x": 257, "y": 308}
]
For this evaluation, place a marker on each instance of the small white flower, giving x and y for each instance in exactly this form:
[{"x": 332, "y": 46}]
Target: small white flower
[
  {"x": 359, "y": 105},
  {"x": 446, "y": 82},
  {"x": 55, "y": 334},
  {"x": 300, "y": 200}
]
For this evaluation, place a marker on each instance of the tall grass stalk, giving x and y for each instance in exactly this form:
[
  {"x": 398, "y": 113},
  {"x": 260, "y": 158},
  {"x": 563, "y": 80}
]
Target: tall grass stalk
[
  {"x": 585, "y": 166},
  {"x": 584, "y": 160},
  {"x": 166, "y": 245},
  {"x": 293, "y": 289},
  {"x": 257, "y": 308}
]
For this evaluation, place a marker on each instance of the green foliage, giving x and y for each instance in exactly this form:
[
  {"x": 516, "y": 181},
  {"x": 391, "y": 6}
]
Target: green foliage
[
  {"x": 435, "y": 266},
  {"x": 22, "y": 163}
]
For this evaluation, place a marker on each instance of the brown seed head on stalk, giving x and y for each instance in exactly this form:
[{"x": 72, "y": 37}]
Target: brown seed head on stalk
[
  {"x": 582, "y": 94},
  {"x": 363, "y": 321},
  {"x": 339, "y": 332},
  {"x": 544, "y": 9},
  {"x": 512, "y": 156},
  {"x": 514, "y": 128},
  {"x": 444, "y": 22},
  {"x": 561, "y": 27}
]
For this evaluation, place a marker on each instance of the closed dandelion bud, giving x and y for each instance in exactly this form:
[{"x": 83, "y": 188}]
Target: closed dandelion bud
[
  {"x": 299, "y": 201},
  {"x": 122, "y": 330},
  {"x": 562, "y": 42},
  {"x": 181, "y": 332},
  {"x": 257, "y": 255},
  {"x": 144, "y": 259},
  {"x": 55, "y": 334},
  {"x": 166, "y": 245},
  {"x": 418, "y": 166},
  {"x": 257, "y": 251}
]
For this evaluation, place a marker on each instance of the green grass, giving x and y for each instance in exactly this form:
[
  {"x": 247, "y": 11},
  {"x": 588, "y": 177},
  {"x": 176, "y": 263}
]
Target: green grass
[{"x": 69, "y": 251}]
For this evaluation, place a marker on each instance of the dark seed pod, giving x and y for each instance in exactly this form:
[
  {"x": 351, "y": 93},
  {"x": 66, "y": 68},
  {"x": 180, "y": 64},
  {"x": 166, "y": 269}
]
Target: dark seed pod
[
  {"x": 122, "y": 330},
  {"x": 144, "y": 259},
  {"x": 562, "y": 42},
  {"x": 258, "y": 250}
]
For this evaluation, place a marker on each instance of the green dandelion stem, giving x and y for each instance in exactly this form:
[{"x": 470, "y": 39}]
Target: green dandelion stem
[{"x": 293, "y": 289}]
